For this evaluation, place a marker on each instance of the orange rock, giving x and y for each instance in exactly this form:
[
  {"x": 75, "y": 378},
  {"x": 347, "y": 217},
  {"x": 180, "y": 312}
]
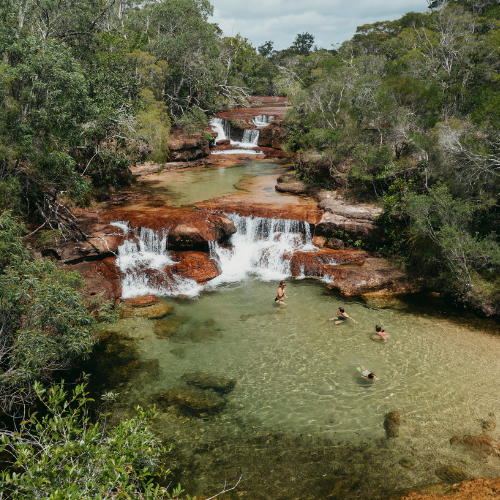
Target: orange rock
[
  {"x": 144, "y": 301},
  {"x": 479, "y": 489},
  {"x": 197, "y": 266}
]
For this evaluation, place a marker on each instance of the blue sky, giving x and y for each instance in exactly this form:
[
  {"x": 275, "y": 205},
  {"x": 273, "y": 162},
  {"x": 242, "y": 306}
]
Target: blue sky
[{"x": 330, "y": 21}]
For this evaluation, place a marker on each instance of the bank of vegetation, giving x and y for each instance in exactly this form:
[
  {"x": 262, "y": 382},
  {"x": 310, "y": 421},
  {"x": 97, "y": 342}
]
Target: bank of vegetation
[{"x": 406, "y": 114}]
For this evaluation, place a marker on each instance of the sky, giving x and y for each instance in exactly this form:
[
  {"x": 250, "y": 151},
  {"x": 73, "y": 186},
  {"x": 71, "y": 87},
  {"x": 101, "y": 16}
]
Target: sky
[{"x": 330, "y": 21}]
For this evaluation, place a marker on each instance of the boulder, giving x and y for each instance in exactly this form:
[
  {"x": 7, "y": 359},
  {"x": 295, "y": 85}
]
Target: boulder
[
  {"x": 375, "y": 276},
  {"x": 358, "y": 222},
  {"x": 193, "y": 400},
  {"x": 155, "y": 311},
  {"x": 197, "y": 266},
  {"x": 392, "y": 421},
  {"x": 207, "y": 381},
  {"x": 451, "y": 474},
  {"x": 482, "y": 444},
  {"x": 144, "y": 301},
  {"x": 165, "y": 328},
  {"x": 187, "y": 146}
]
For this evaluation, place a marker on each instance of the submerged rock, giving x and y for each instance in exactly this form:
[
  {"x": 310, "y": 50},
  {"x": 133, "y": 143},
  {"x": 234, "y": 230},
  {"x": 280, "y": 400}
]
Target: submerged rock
[
  {"x": 478, "y": 489},
  {"x": 155, "y": 311},
  {"x": 165, "y": 328},
  {"x": 488, "y": 425},
  {"x": 392, "y": 421},
  {"x": 482, "y": 444},
  {"x": 193, "y": 400},
  {"x": 407, "y": 463},
  {"x": 451, "y": 474},
  {"x": 203, "y": 334},
  {"x": 207, "y": 381}
]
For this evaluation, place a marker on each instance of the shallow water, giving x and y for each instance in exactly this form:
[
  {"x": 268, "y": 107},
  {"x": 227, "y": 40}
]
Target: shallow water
[
  {"x": 296, "y": 373},
  {"x": 301, "y": 422},
  {"x": 185, "y": 187}
]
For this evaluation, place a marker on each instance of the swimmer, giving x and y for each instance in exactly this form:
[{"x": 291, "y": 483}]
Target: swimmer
[
  {"x": 342, "y": 316},
  {"x": 281, "y": 293},
  {"x": 367, "y": 373},
  {"x": 381, "y": 333}
]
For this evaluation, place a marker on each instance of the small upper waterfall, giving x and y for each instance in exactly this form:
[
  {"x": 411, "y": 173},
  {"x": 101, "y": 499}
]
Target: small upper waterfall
[
  {"x": 263, "y": 120},
  {"x": 249, "y": 140}
]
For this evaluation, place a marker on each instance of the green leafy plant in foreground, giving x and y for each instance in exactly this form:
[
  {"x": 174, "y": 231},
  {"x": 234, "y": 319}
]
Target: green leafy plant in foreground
[{"x": 65, "y": 455}]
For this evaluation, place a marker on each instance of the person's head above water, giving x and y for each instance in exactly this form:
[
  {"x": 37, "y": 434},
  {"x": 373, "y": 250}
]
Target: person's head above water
[
  {"x": 282, "y": 283},
  {"x": 378, "y": 328},
  {"x": 341, "y": 309},
  {"x": 372, "y": 376}
]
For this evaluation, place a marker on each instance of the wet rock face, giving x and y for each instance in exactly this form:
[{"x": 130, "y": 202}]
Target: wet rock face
[
  {"x": 273, "y": 136},
  {"x": 482, "y": 444},
  {"x": 193, "y": 400},
  {"x": 197, "y": 266},
  {"x": 451, "y": 474},
  {"x": 221, "y": 385},
  {"x": 392, "y": 422}
]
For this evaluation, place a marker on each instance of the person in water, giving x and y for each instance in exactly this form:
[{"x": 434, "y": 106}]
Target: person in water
[
  {"x": 381, "y": 333},
  {"x": 342, "y": 316},
  {"x": 281, "y": 293},
  {"x": 367, "y": 373}
]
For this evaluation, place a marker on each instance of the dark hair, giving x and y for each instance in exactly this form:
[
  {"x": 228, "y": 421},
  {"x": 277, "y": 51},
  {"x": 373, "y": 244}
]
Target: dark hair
[
  {"x": 378, "y": 328},
  {"x": 371, "y": 375},
  {"x": 282, "y": 283},
  {"x": 341, "y": 309}
]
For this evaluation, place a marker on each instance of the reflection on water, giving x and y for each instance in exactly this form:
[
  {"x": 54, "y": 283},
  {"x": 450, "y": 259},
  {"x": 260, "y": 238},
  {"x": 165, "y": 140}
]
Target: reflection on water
[{"x": 300, "y": 422}]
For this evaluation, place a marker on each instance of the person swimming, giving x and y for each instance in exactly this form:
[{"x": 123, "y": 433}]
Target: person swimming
[
  {"x": 381, "y": 333},
  {"x": 281, "y": 293},
  {"x": 367, "y": 373},
  {"x": 342, "y": 316}
]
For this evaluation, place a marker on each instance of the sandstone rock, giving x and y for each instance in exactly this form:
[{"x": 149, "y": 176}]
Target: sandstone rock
[
  {"x": 319, "y": 241},
  {"x": 334, "y": 244},
  {"x": 375, "y": 275},
  {"x": 165, "y": 328},
  {"x": 451, "y": 474},
  {"x": 155, "y": 311},
  {"x": 392, "y": 421},
  {"x": 201, "y": 380},
  {"x": 356, "y": 221},
  {"x": 144, "y": 301},
  {"x": 293, "y": 186},
  {"x": 187, "y": 146},
  {"x": 197, "y": 266},
  {"x": 194, "y": 400},
  {"x": 482, "y": 444}
]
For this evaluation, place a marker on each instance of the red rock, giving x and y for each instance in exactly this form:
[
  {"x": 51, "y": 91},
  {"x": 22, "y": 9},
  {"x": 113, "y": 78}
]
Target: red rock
[
  {"x": 478, "y": 489},
  {"x": 144, "y": 301},
  {"x": 224, "y": 142},
  {"x": 481, "y": 444},
  {"x": 197, "y": 266},
  {"x": 319, "y": 241},
  {"x": 187, "y": 146}
]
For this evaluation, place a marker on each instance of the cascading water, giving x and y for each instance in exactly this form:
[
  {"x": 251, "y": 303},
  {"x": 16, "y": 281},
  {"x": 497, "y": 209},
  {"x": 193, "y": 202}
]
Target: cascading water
[
  {"x": 262, "y": 247},
  {"x": 249, "y": 140},
  {"x": 263, "y": 120},
  {"x": 143, "y": 260}
]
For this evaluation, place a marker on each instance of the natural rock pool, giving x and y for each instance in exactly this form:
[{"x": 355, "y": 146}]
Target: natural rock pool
[{"x": 300, "y": 421}]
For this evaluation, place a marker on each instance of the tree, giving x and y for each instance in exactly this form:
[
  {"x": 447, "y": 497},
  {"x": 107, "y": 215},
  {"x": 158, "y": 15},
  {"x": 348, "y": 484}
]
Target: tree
[
  {"x": 303, "y": 43},
  {"x": 63, "y": 454},
  {"x": 266, "y": 49}
]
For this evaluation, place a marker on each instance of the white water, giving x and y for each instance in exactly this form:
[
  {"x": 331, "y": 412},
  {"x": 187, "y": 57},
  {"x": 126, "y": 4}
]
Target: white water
[
  {"x": 263, "y": 120},
  {"x": 260, "y": 247},
  {"x": 249, "y": 140}
]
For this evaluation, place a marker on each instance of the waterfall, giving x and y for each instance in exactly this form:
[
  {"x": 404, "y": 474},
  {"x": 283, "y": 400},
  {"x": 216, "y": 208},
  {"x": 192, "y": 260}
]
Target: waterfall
[
  {"x": 143, "y": 260},
  {"x": 260, "y": 247},
  {"x": 263, "y": 120},
  {"x": 249, "y": 140}
]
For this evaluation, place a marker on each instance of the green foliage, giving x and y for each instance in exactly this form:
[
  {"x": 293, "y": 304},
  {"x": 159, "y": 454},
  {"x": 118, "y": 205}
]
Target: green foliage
[{"x": 63, "y": 454}]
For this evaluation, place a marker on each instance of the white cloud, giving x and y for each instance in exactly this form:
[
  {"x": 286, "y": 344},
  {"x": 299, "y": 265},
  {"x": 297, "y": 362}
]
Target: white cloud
[{"x": 330, "y": 21}]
